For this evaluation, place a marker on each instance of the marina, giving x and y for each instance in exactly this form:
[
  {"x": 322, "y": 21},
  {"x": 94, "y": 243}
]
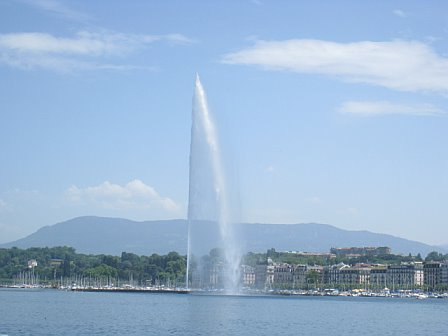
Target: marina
[{"x": 386, "y": 293}]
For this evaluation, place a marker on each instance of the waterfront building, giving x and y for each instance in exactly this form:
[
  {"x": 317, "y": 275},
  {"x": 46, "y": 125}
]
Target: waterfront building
[
  {"x": 264, "y": 275},
  {"x": 378, "y": 277},
  {"x": 283, "y": 274},
  {"x": 435, "y": 275},
  {"x": 444, "y": 277},
  {"x": 332, "y": 274},
  {"x": 196, "y": 280},
  {"x": 56, "y": 262},
  {"x": 305, "y": 275},
  {"x": 315, "y": 275},
  {"x": 355, "y": 276},
  {"x": 405, "y": 276},
  {"x": 248, "y": 275},
  {"x": 300, "y": 276}
]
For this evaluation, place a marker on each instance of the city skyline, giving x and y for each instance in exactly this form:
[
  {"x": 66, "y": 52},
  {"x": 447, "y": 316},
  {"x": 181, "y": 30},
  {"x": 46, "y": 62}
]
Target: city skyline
[{"x": 329, "y": 113}]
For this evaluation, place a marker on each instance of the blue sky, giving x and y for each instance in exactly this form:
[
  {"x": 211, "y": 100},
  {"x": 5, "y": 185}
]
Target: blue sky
[{"x": 332, "y": 111}]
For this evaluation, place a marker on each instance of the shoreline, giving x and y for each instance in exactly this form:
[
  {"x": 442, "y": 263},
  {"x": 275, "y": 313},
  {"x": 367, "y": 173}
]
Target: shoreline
[
  {"x": 132, "y": 290},
  {"x": 290, "y": 293}
]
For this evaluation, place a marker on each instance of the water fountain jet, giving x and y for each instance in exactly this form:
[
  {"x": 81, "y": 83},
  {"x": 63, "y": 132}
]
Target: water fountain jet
[{"x": 208, "y": 202}]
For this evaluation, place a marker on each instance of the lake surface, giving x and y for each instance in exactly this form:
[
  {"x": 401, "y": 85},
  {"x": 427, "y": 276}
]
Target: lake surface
[{"x": 52, "y": 312}]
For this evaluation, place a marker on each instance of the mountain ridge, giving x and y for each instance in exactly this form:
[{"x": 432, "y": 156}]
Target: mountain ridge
[{"x": 106, "y": 235}]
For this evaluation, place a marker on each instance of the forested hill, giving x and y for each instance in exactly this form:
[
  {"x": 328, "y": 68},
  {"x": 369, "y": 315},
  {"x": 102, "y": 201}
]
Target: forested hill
[{"x": 114, "y": 235}]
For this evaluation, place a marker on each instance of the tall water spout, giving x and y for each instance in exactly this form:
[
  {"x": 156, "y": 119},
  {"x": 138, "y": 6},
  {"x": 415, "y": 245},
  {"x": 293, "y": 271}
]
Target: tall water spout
[{"x": 208, "y": 202}]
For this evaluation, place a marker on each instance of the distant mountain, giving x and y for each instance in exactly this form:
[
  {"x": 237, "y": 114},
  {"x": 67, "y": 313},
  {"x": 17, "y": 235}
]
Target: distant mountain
[{"x": 97, "y": 235}]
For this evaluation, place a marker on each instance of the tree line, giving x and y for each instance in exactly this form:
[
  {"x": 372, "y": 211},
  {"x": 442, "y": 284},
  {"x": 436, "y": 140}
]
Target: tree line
[
  {"x": 293, "y": 258},
  {"x": 63, "y": 262}
]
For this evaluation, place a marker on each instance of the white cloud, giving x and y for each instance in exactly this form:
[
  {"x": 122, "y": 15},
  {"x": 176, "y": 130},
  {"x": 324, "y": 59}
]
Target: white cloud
[
  {"x": 58, "y": 8},
  {"x": 400, "y": 13},
  {"x": 398, "y": 65},
  {"x": 133, "y": 195},
  {"x": 84, "y": 43},
  {"x": 379, "y": 108},
  {"x": 84, "y": 51},
  {"x": 177, "y": 39}
]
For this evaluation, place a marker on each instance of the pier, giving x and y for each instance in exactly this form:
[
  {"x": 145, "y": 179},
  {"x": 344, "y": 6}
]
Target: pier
[{"x": 130, "y": 290}]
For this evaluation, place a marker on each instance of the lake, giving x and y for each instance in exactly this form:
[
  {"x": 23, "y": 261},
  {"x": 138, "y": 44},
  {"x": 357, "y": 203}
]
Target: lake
[{"x": 53, "y": 312}]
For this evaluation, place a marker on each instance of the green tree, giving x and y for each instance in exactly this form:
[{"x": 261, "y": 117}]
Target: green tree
[
  {"x": 312, "y": 277},
  {"x": 435, "y": 256},
  {"x": 66, "y": 267}
]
